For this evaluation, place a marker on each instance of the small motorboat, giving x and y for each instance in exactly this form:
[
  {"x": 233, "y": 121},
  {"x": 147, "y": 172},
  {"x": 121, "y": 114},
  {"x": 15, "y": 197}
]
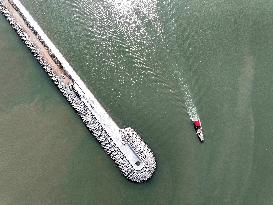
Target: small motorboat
[{"x": 198, "y": 129}]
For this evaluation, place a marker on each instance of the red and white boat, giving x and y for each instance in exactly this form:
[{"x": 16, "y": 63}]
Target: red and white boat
[{"x": 198, "y": 129}]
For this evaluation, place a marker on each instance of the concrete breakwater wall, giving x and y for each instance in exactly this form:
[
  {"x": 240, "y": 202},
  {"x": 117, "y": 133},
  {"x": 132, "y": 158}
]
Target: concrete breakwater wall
[{"x": 133, "y": 157}]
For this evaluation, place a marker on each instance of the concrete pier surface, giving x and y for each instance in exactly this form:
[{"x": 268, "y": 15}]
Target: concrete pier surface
[{"x": 134, "y": 158}]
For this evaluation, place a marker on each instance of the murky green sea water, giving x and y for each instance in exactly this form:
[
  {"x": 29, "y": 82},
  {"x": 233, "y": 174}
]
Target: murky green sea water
[{"x": 136, "y": 56}]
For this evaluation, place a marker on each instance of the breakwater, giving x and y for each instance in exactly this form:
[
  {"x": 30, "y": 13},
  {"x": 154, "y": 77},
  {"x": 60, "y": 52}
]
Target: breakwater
[{"x": 133, "y": 157}]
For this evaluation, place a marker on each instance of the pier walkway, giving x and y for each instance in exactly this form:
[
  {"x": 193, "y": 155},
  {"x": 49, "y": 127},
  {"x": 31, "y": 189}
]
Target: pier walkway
[{"x": 124, "y": 146}]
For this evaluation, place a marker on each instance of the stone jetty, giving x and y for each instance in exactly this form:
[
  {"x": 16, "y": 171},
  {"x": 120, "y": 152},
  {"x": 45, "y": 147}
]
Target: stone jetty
[{"x": 129, "y": 152}]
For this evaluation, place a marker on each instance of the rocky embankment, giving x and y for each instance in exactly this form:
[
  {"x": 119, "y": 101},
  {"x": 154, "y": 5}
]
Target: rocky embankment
[{"x": 133, "y": 157}]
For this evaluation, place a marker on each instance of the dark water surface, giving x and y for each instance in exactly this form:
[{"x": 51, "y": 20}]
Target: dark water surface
[{"x": 136, "y": 57}]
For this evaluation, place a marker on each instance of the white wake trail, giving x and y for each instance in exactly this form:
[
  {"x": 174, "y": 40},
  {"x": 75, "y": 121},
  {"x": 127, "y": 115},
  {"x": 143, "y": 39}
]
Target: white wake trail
[{"x": 190, "y": 106}]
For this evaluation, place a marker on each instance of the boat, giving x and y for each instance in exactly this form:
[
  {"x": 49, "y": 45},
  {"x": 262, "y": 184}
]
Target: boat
[{"x": 198, "y": 129}]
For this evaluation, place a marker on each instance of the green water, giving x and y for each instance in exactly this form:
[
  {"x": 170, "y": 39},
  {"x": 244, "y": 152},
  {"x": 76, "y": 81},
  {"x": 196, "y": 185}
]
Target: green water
[{"x": 130, "y": 56}]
